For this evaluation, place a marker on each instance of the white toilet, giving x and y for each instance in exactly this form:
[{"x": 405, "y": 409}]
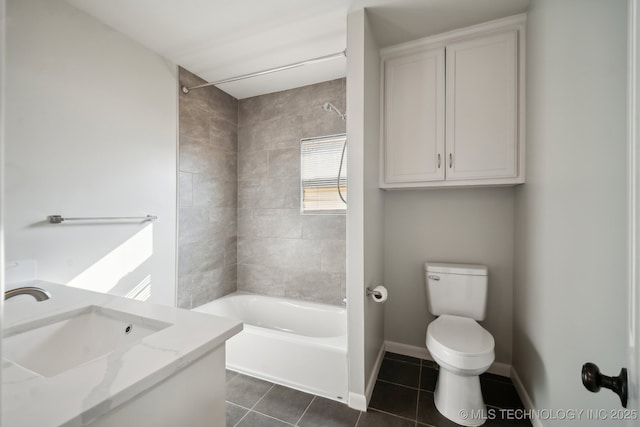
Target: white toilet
[{"x": 463, "y": 349}]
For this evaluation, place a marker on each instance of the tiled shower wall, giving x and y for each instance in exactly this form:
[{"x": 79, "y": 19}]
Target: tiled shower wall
[
  {"x": 240, "y": 226},
  {"x": 280, "y": 251},
  {"x": 207, "y": 229}
]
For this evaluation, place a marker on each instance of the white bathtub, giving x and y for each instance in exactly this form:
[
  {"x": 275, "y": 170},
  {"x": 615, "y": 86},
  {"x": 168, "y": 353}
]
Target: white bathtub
[{"x": 299, "y": 344}]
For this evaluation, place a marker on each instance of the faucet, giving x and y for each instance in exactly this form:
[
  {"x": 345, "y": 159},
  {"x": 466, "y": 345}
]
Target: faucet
[{"x": 38, "y": 293}]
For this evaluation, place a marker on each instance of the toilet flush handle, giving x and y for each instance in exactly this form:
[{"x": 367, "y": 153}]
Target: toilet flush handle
[{"x": 433, "y": 277}]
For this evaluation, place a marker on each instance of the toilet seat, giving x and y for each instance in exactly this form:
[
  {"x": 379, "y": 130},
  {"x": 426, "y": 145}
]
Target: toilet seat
[{"x": 460, "y": 342}]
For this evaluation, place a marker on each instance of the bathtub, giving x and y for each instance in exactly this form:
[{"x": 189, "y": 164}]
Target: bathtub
[{"x": 298, "y": 344}]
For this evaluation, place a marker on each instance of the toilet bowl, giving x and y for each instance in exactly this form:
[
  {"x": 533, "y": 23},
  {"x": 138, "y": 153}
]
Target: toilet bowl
[
  {"x": 463, "y": 349},
  {"x": 458, "y": 344}
]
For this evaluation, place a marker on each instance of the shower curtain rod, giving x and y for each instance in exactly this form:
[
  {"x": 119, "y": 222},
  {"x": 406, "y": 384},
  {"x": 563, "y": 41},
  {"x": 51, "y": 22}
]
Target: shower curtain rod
[{"x": 186, "y": 89}]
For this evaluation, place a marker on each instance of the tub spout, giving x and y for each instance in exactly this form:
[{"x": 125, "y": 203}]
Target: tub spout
[{"x": 38, "y": 293}]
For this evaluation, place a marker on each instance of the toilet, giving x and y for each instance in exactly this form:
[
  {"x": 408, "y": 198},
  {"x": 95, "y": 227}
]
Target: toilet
[{"x": 457, "y": 294}]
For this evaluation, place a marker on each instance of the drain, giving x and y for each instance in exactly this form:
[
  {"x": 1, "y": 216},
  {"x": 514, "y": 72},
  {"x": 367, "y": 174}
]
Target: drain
[{"x": 128, "y": 329}]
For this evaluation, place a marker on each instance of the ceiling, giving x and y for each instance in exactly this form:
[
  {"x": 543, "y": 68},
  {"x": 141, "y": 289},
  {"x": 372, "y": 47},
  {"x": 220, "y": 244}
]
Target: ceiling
[{"x": 218, "y": 39}]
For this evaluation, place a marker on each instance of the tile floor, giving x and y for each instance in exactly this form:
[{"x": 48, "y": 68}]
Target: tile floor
[{"x": 403, "y": 396}]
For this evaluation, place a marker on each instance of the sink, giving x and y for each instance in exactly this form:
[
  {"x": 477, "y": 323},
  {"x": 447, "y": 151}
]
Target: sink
[{"x": 56, "y": 344}]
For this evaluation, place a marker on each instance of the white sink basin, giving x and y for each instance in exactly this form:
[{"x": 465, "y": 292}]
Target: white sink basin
[{"x": 53, "y": 345}]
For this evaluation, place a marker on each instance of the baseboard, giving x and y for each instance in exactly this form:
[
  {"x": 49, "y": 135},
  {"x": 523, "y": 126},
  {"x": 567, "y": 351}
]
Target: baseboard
[
  {"x": 357, "y": 401},
  {"x": 361, "y": 401},
  {"x": 374, "y": 374},
  {"x": 499, "y": 368},
  {"x": 407, "y": 350},
  {"x": 496, "y": 368},
  {"x": 524, "y": 396}
]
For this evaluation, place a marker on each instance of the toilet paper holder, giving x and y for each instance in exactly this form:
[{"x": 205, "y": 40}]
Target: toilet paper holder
[
  {"x": 378, "y": 294},
  {"x": 374, "y": 293}
]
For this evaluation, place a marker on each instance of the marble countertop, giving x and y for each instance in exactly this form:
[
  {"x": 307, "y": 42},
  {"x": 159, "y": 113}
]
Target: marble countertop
[{"x": 79, "y": 395}]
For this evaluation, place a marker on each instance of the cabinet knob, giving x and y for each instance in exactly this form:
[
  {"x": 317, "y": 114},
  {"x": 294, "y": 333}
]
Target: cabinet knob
[
  {"x": 439, "y": 161},
  {"x": 450, "y": 160}
]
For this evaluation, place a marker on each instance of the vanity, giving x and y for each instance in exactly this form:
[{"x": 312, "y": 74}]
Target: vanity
[{"x": 85, "y": 358}]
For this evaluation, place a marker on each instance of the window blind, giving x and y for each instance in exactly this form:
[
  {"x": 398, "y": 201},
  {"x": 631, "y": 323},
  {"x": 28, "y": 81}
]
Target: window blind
[{"x": 319, "y": 164}]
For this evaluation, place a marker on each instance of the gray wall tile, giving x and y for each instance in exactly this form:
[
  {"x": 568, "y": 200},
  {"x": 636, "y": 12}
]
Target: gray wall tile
[
  {"x": 200, "y": 156},
  {"x": 192, "y": 288},
  {"x": 184, "y": 298},
  {"x": 231, "y": 251},
  {"x": 261, "y": 280},
  {"x": 251, "y": 250},
  {"x": 313, "y": 96},
  {"x": 195, "y": 224},
  {"x": 246, "y": 225},
  {"x": 328, "y": 227},
  {"x": 194, "y": 121},
  {"x": 269, "y": 223},
  {"x": 223, "y": 105},
  {"x": 199, "y": 256},
  {"x": 185, "y": 190},
  {"x": 240, "y": 227},
  {"x": 197, "y": 98},
  {"x": 229, "y": 280},
  {"x": 314, "y": 125},
  {"x": 284, "y": 162},
  {"x": 223, "y": 134},
  {"x": 211, "y": 191},
  {"x": 314, "y": 286},
  {"x": 265, "y": 107},
  {"x": 281, "y": 132},
  {"x": 271, "y": 193},
  {"x": 333, "y": 256},
  {"x": 195, "y": 154},
  {"x": 253, "y": 165},
  {"x": 288, "y": 254},
  {"x": 294, "y": 254},
  {"x": 226, "y": 218},
  {"x": 207, "y": 288},
  {"x": 280, "y": 251},
  {"x": 192, "y": 157},
  {"x": 207, "y": 227}
]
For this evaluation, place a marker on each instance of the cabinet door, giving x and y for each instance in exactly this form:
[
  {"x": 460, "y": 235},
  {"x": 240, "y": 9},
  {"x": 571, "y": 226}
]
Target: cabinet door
[
  {"x": 482, "y": 102},
  {"x": 413, "y": 114}
]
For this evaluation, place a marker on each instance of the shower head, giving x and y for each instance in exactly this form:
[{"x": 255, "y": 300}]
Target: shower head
[{"x": 327, "y": 106}]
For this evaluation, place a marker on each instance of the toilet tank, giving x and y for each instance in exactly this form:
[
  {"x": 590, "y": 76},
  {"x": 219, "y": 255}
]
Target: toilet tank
[{"x": 458, "y": 289}]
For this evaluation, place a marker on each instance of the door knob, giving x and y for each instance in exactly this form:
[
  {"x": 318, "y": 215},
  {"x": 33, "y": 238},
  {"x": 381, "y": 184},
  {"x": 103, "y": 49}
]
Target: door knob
[{"x": 593, "y": 380}]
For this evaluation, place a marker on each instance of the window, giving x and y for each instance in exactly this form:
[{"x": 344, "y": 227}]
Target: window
[{"x": 320, "y": 161}]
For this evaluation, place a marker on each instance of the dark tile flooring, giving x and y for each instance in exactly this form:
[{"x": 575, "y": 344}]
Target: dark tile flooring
[{"x": 402, "y": 397}]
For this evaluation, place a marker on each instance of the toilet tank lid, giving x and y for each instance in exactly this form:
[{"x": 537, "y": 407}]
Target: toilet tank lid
[{"x": 448, "y": 268}]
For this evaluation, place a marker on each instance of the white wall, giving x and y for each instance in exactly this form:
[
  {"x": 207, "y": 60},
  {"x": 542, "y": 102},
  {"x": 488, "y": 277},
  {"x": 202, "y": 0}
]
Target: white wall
[
  {"x": 373, "y": 209},
  {"x": 2, "y": 131},
  {"x": 365, "y": 215},
  {"x": 91, "y": 131},
  {"x": 633, "y": 217},
  {"x": 570, "y": 302},
  {"x": 451, "y": 225}
]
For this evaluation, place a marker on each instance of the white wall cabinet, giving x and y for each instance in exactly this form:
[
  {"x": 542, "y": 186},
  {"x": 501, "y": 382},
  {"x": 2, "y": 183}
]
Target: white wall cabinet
[
  {"x": 452, "y": 108},
  {"x": 414, "y": 94}
]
